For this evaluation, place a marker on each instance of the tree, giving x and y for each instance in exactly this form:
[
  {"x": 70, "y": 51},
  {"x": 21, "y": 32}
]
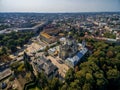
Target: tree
[
  {"x": 69, "y": 77},
  {"x": 89, "y": 78},
  {"x": 118, "y": 56},
  {"x": 3, "y": 51},
  {"x": 80, "y": 75},
  {"x": 110, "y": 54},
  {"x": 113, "y": 74},
  {"x": 76, "y": 68},
  {"x": 42, "y": 80},
  {"x": 13, "y": 48},
  {"x": 75, "y": 85},
  {"x": 64, "y": 86},
  {"x": 101, "y": 81},
  {"x": 86, "y": 86},
  {"x": 28, "y": 66},
  {"x": 21, "y": 67},
  {"x": 46, "y": 49},
  {"x": 55, "y": 84}
]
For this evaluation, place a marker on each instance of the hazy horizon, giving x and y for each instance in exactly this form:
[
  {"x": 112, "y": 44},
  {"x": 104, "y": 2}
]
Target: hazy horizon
[{"x": 54, "y": 6}]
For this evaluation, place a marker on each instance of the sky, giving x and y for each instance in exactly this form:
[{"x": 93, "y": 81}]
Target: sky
[{"x": 59, "y": 5}]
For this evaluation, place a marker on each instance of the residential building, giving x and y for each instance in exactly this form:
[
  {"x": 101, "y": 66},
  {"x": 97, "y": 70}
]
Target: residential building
[{"x": 44, "y": 65}]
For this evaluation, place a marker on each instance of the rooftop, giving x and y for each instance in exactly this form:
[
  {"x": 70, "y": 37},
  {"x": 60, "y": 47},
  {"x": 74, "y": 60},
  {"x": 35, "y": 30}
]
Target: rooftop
[
  {"x": 5, "y": 73},
  {"x": 75, "y": 59},
  {"x": 45, "y": 65},
  {"x": 46, "y": 35}
]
